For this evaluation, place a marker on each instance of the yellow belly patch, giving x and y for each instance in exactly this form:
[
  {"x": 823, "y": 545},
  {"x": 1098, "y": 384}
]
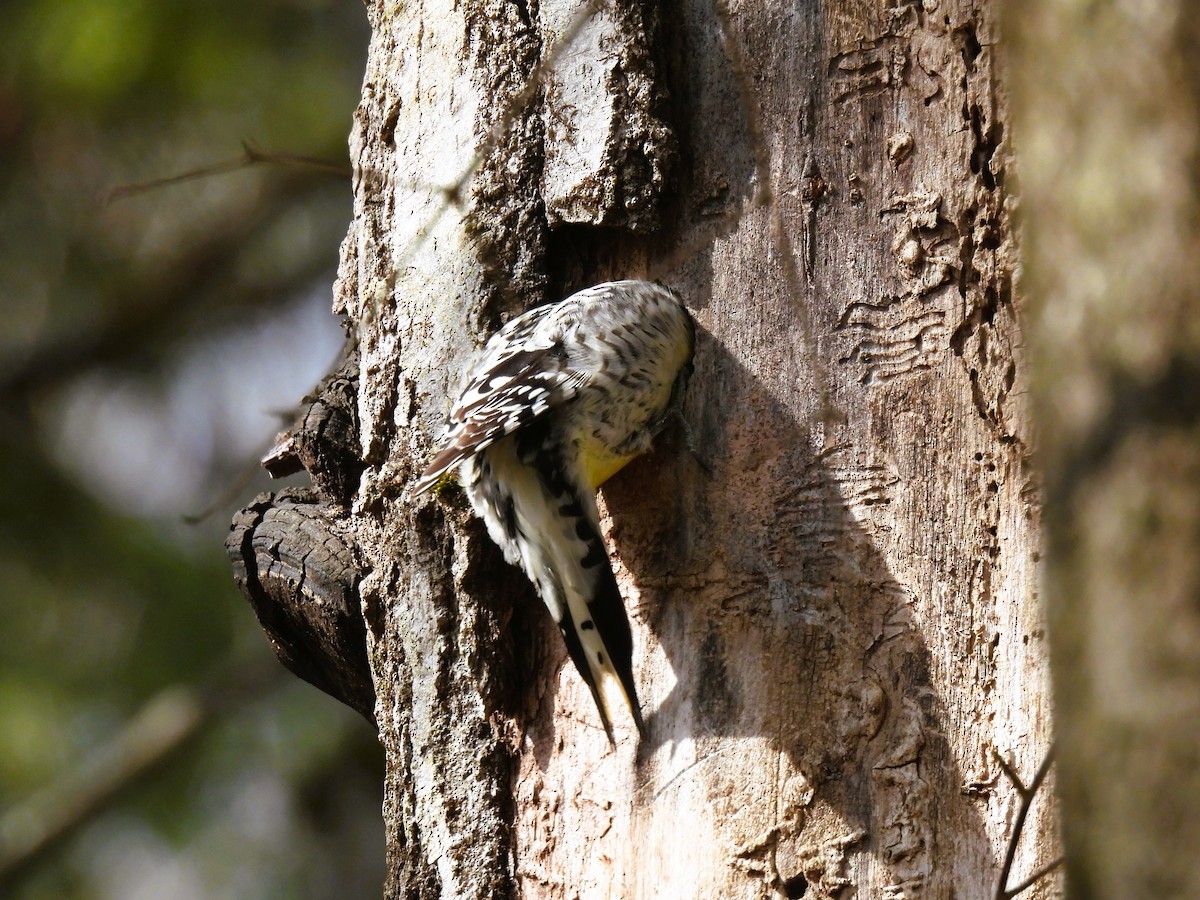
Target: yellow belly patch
[{"x": 599, "y": 463}]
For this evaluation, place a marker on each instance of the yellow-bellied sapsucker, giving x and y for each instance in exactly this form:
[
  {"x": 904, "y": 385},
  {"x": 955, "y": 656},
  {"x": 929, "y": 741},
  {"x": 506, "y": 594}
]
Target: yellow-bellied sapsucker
[{"x": 564, "y": 396}]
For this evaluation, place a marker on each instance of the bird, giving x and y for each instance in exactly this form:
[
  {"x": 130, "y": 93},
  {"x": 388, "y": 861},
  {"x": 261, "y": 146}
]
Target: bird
[{"x": 562, "y": 398}]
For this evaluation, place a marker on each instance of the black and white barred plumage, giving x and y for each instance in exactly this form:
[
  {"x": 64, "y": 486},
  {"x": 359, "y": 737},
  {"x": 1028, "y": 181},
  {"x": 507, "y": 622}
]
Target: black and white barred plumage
[{"x": 564, "y": 396}]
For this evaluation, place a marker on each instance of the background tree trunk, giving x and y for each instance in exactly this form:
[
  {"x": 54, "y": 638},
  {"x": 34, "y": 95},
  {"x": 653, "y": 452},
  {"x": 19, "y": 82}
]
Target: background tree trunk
[
  {"x": 838, "y": 629},
  {"x": 1110, "y": 116}
]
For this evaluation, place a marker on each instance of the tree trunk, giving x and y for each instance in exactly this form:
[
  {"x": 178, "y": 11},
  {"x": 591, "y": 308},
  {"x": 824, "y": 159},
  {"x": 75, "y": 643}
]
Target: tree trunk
[
  {"x": 834, "y": 604},
  {"x": 1110, "y": 116}
]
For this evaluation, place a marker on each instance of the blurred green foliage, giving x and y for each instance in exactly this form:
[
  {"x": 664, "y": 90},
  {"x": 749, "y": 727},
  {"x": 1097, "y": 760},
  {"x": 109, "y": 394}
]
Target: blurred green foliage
[{"x": 107, "y": 598}]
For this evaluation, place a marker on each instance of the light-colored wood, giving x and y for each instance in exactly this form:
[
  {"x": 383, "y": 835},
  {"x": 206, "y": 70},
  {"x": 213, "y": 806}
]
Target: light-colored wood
[{"x": 836, "y": 629}]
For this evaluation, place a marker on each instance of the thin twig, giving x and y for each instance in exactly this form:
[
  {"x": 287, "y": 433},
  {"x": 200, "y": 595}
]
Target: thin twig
[
  {"x": 1010, "y": 773},
  {"x": 1027, "y": 795},
  {"x": 250, "y": 157},
  {"x": 232, "y": 492},
  {"x": 143, "y": 313},
  {"x": 1038, "y": 875}
]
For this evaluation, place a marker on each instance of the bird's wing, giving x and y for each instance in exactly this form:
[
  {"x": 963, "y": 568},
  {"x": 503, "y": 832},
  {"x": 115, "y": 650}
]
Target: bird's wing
[{"x": 525, "y": 371}]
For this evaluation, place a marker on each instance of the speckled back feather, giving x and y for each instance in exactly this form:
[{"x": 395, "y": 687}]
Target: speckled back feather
[{"x": 562, "y": 398}]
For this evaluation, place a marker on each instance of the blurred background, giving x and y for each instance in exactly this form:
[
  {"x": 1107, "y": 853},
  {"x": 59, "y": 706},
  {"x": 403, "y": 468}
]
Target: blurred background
[{"x": 152, "y": 344}]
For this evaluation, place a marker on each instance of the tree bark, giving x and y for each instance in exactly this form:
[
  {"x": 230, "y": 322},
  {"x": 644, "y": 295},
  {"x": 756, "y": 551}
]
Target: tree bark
[
  {"x": 834, "y": 606},
  {"x": 1110, "y": 115}
]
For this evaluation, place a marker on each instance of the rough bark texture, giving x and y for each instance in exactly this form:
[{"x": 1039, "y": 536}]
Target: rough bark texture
[
  {"x": 1110, "y": 134},
  {"x": 608, "y": 151},
  {"x": 293, "y": 560},
  {"x": 837, "y": 628}
]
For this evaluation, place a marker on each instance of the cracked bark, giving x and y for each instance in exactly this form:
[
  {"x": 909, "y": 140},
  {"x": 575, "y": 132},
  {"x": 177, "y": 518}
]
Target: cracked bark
[{"x": 835, "y": 629}]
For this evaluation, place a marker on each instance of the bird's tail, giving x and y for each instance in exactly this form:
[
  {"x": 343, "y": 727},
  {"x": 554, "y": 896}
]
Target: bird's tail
[
  {"x": 596, "y": 631},
  {"x": 550, "y": 527}
]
